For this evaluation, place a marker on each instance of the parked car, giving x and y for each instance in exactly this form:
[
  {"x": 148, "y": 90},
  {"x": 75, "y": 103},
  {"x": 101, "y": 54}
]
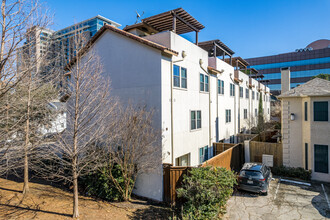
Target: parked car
[{"x": 255, "y": 177}]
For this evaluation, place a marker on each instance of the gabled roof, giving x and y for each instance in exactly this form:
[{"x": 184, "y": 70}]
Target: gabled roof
[
  {"x": 314, "y": 87},
  {"x": 126, "y": 34}
]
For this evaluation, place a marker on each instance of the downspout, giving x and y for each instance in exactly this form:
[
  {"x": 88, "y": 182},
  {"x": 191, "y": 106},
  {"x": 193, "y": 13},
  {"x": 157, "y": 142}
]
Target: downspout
[
  {"x": 235, "y": 101},
  {"x": 250, "y": 107},
  {"x": 200, "y": 64},
  {"x": 234, "y": 104},
  {"x": 172, "y": 140}
]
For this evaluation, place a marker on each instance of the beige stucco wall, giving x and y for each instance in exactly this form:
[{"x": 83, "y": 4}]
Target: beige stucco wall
[{"x": 297, "y": 132}]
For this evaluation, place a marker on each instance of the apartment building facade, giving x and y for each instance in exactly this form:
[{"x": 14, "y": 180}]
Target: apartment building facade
[
  {"x": 306, "y": 126},
  {"x": 304, "y": 64},
  {"x": 194, "y": 94}
]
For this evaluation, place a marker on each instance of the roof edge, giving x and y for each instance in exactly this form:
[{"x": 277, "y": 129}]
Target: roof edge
[{"x": 105, "y": 27}]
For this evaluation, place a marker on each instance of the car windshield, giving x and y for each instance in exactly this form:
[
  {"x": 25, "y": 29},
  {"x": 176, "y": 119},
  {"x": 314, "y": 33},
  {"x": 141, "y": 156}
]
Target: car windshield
[{"x": 250, "y": 173}]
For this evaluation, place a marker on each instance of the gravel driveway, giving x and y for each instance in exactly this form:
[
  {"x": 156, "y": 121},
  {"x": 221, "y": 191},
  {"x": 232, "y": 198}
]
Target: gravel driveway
[{"x": 284, "y": 201}]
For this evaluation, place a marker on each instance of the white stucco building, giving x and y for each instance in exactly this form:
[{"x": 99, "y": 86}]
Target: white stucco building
[{"x": 194, "y": 93}]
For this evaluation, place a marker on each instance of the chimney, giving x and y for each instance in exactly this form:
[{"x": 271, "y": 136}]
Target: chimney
[{"x": 285, "y": 79}]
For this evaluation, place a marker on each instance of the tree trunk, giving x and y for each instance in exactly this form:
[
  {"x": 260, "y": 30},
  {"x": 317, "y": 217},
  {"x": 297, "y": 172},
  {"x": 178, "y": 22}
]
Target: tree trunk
[
  {"x": 26, "y": 174},
  {"x": 27, "y": 142},
  {"x": 75, "y": 197}
]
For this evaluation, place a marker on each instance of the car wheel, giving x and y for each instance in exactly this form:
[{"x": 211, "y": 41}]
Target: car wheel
[{"x": 265, "y": 193}]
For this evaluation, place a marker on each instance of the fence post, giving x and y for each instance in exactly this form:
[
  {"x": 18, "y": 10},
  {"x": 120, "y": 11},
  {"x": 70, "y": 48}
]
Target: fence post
[{"x": 247, "y": 151}]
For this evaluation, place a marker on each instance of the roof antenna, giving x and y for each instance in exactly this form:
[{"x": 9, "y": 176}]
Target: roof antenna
[{"x": 138, "y": 16}]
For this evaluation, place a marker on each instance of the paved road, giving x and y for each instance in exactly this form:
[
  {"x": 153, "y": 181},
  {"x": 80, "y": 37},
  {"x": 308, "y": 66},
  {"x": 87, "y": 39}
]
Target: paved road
[{"x": 284, "y": 201}]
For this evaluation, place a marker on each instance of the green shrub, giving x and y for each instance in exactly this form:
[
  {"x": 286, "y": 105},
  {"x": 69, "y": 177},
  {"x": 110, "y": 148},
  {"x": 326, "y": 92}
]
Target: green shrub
[
  {"x": 294, "y": 172},
  {"x": 100, "y": 185},
  {"x": 206, "y": 191}
]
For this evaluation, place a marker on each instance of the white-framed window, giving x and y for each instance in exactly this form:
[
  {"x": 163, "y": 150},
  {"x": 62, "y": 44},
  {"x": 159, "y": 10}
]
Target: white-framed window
[
  {"x": 179, "y": 77},
  {"x": 247, "y": 93},
  {"x": 221, "y": 86},
  {"x": 195, "y": 120},
  {"x": 253, "y": 95},
  {"x": 203, "y": 154},
  {"x": 204, "y": 83},
  {"x": 232, "y": 89},
  {"x": 183, "y": 160},
  {"x": 245, "y": 113},
  {"x": 241, "y": 91},
  {"x": 256, "y": 112},
  {"x": 257, "y": 95},
  {"x": 228, "y": 115}
]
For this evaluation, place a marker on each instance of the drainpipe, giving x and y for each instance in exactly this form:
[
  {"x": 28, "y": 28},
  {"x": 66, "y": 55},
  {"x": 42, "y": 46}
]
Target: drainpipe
[
  {"x": 200, "y": 64},
  {"x": 183, "y": 54},
  {"x": 235, "y": 130},
  {"x": 234, "y": 103},
  {"x": 250, "y": 107}
]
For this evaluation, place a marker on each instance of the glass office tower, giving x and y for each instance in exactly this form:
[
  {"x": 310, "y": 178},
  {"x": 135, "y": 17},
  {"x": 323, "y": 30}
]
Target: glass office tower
[
  {"x": 89, "y": 27},
  {"x": 304, "y": 64}
]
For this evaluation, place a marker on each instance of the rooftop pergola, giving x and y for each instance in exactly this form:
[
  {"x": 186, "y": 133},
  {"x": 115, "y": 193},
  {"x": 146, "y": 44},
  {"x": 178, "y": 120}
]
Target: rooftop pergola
[
  {"x": 216, "y": 48},
  {"x": 257, "y": 76},
  {"x": 237, "y": 62},
  {"x": 252, "y": 71},
  {"x": 265, "y": 81},
  {"x": 178, "y": 20}
]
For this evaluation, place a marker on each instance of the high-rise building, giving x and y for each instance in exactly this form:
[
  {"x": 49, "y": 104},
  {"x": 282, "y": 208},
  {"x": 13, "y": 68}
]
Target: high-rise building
[
  {"x": 40, "y": 41},
  {"x": 303, "y": 63},
  {"x": 89, "y": 27}
]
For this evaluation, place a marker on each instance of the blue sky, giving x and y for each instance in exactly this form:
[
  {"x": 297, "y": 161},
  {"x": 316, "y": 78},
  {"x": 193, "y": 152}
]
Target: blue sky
[{"x": 250, "y": 28}]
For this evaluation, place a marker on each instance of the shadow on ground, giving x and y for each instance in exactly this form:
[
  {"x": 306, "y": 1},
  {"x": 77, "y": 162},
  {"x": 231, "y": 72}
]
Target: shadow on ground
[{"x": 152, "y": 212}]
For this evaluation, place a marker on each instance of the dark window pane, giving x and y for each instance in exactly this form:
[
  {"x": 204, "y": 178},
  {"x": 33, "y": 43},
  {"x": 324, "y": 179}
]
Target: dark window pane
[
  {"x": 193, "y": 115},
  {"x": 183, "y": 72},
  {"x": 193, "y": 124},
  {"x": 176, "y": 81},
  {"x": 306, "y": 156},
  {"x": 320, "y": 111},
  {"x": 184, "y": 83},
  {"x": 306, "y": 111},
  {"x": 193, "y": 120},
  {"x": 199, "y": 115},
  {"x": 321, "y": 158}
]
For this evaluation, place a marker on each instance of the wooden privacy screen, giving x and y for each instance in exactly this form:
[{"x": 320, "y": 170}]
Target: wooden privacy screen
[{"x": 257, "y": 149}]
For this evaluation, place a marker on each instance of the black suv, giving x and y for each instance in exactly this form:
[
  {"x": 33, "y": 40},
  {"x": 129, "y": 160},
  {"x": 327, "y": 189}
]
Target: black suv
[{"x": 255, "y": 177}]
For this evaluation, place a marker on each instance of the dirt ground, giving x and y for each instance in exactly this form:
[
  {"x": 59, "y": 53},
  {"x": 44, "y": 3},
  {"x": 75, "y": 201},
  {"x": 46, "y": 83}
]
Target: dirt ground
[
  {"x": 48, "y": 202},
  {"x": 284, "y": 201}
]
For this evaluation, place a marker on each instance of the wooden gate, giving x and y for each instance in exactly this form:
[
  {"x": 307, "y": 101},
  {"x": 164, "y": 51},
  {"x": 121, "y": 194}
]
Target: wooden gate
[{"x": 172, "y": 178}]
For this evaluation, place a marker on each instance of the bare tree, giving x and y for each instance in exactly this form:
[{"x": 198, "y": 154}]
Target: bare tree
[
  {"x": 17, "y": 21},
  {"x": 78, "y": 148},
  {"x": 250, "y": 122},
  {"x": 133, "y": 147},
  {"x": 28, "y": 109}
]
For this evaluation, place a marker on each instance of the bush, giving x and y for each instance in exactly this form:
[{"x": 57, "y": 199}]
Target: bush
[
  {"x": 100, "y": 185},
  {"x": 206, "y": 191},
  {"x": 294, "y": 172}
]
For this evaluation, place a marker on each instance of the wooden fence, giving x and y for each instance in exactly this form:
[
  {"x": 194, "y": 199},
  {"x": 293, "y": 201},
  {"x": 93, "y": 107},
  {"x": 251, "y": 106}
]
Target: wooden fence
[
  {"x": 221, "y": 147},
  {"x": 231, "y": 159},
  {"x": 172, "y": 180},
  {"x": 257, "y": 149},
  {"x": 243, "y": 137},
  {"x": 265, "y": 136}
]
